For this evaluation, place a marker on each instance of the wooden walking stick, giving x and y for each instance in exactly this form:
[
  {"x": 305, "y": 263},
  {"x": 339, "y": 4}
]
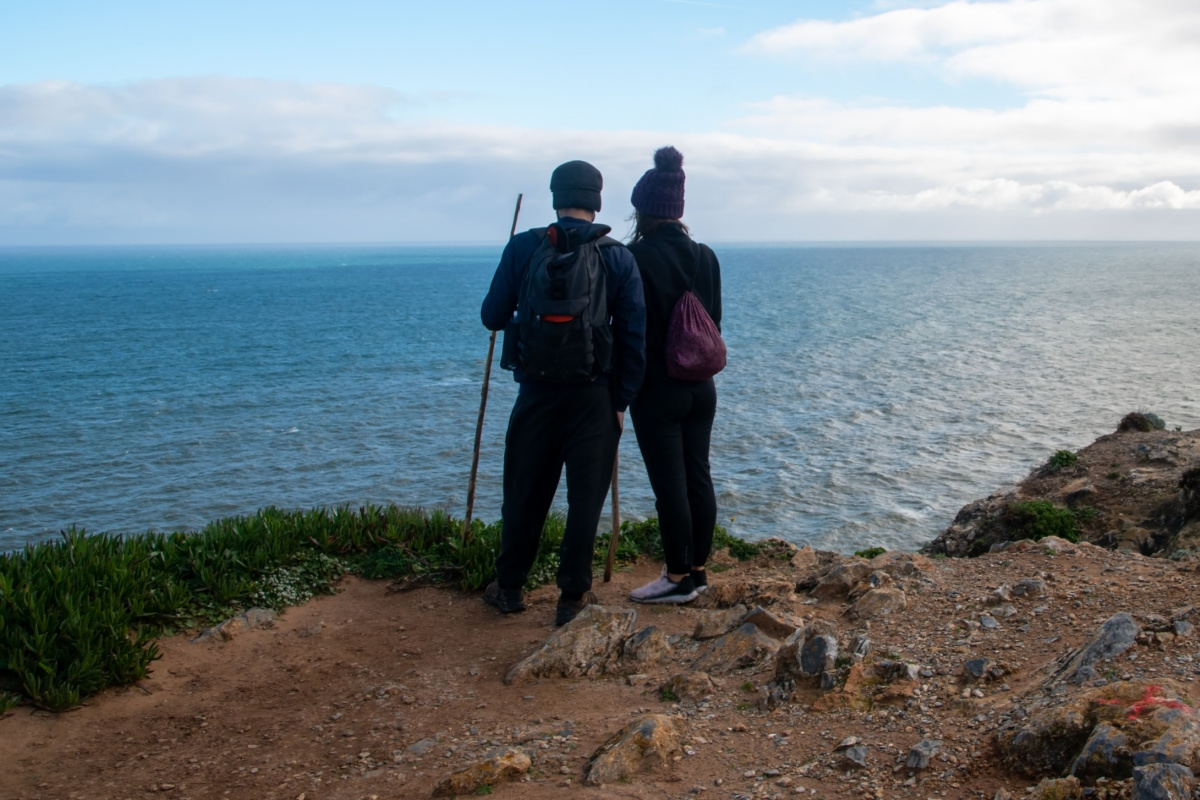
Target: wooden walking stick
[
  {"x": 487, "y": 377},
  {"x": 616, "y": 520}
]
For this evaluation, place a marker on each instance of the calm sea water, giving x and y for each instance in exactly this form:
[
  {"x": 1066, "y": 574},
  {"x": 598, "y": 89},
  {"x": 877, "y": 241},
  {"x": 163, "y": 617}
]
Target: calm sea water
[{"x": 870, "y": 393}]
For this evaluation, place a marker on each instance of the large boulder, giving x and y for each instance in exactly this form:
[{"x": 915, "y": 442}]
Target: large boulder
[
  {"x": 1162, "y": 782},
  {"x": 746, "y": 647},
  {"x": 647, "y": 646},
  {"x": 499, "y": 765},
  {"x": 837, "y": 583},
  {"x": 693, "y": 686},
  {"x": 748, "y": 592},
  {"x": 588, "y": 645},
  {"x": 1107, "y": 732},
  {"x": 1115, "y": 636},
  {"x": 1045, "y": 744},
  {"x": 711, "y": 624},
  {"x": 882, "y": 602},
  {"x": 649, "y": 741}
]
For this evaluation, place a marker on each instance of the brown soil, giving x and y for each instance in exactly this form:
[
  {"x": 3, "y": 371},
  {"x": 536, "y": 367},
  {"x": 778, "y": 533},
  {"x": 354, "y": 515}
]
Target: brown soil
[{"x": 328, "y": 703}]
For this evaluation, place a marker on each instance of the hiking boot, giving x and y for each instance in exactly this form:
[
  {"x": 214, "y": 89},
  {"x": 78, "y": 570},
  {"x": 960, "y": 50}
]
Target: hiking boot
[
  {"x": 664, "y": 590},
  {"x": 700, "y": 579},
  {"x": 568, "y": 609},
  {"x": 506, "y": 601}
]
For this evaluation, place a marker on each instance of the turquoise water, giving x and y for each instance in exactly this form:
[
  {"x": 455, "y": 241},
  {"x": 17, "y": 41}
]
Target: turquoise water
[{"x": 871, "y": 391}]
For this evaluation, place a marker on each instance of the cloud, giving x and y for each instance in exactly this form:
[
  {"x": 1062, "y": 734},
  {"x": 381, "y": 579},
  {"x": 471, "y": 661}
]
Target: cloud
[
  {"x": 1066, "y": 48},
  {"x": 233, "y": 160}
]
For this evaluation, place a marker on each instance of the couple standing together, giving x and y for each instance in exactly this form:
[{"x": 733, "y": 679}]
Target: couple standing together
[{"x": 580, "y": 367}]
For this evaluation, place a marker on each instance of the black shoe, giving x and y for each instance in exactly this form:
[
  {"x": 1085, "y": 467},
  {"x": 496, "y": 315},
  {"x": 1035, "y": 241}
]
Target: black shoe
[
  {"x": 700, "y": 580},
  {"x": 568, "y": 609},
  {"x": 506, "y": 601}
]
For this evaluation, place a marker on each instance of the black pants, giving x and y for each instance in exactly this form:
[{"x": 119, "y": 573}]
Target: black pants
[
  {"x": 673, "y": 421},
  {"x": 576, "y": 427}
]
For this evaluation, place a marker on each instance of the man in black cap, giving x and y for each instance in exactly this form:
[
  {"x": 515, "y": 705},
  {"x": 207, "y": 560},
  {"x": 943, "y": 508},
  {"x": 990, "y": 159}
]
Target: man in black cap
[{"x": 577, "y": 370}]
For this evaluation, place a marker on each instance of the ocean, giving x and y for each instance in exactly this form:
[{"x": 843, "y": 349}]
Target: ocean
[{"x": 871, "y": 390}]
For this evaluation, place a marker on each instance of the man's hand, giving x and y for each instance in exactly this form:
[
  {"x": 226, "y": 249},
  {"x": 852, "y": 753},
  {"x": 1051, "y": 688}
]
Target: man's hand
[{"x": 620, "y": 420}]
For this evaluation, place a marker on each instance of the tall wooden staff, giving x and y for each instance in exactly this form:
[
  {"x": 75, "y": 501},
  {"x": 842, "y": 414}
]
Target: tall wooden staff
[
  {"x": 487, "y": 377},
  {"x": 616, "y": 522}
]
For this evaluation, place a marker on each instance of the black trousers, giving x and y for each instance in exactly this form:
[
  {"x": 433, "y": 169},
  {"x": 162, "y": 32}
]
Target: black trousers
[
  {"x": 574, "y": 427},
  {"x": 673, "y": 421}
]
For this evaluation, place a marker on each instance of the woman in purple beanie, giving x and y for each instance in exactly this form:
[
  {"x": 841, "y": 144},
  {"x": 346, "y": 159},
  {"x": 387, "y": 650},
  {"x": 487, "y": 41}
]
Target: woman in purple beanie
[{"x": 673, "y": 418}]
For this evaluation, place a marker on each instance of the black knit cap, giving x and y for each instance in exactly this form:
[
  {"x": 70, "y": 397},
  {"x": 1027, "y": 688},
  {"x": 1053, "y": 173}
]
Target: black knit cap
[{"x": 576, "y": 184}]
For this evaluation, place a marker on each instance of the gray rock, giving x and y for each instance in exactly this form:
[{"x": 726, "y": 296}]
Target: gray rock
[
  {"x": 891, "y": 671},
  {"x": 647, "y": 646},
  {"x": 1006, "y": 610},
  {"x": 978, "y": 668},
  {"x": 1106, "y": 754},
  {"x": 248, "y": 620},
  {"x": 1116, "y": 635},
  {"x": 1162, "y": 782},
  {"x": 882, "y": 602},
  {"x": 1183, "y": 628},
  {"x": 772, "y": 625},
  {"x": 744, "y": 647},
  {"x": 588, "y": 645},
  {"x": 860, "y": 647},
  {"x": 422, "y": 747},
  {"x": 1179, "y": 742},
  {"x": 838, "y": 582},
  {"x": 1030, "y": 587},
  {"x": 972, "y": 527},
  {"x": 1046, "y": 743},
  {"x": 1002, "y": 593},
  {"x": 828, "y": 680},
  {"x": 648, "y": 741},
  {"x": 856, "y": 755},
  {"x": 502, "y": 764},
  {"x": 819, "y": 654},
  {"x": 712, "y": 624},
  {"x": 693, "y": 686},
  {"x": 1057, "y": 789},
  {"x": 921, "y": 752},
  {"x": 875, "y": 580},
  {"x": 988, "y": 622}
]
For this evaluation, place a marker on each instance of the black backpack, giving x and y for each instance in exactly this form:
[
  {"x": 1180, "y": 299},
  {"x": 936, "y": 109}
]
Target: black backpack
[{"x": 561, "y": 333}]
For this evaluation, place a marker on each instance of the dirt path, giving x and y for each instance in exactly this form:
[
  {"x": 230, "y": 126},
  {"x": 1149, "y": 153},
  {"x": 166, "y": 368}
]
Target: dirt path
[{"x": 370, "y": 695}]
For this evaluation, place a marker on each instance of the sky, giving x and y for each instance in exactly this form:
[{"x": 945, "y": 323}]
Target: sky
[{"x": 131, "y": 122}]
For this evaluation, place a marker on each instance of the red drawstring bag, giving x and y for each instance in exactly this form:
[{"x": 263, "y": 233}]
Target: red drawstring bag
[{"x": 695, "y": 349}]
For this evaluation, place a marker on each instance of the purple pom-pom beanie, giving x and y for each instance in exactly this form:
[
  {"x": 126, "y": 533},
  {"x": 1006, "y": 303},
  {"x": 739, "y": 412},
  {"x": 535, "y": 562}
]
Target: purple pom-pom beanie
[{"x": 659, "y": 193}]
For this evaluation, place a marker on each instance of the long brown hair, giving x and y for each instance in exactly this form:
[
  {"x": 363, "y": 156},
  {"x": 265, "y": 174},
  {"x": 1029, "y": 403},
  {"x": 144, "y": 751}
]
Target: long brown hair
[{"x": 643, "y": 225}]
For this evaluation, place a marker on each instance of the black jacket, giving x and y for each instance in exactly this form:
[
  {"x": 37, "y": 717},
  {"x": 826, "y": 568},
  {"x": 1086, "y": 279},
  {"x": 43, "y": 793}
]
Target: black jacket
[{"x": 669, "y": 262}]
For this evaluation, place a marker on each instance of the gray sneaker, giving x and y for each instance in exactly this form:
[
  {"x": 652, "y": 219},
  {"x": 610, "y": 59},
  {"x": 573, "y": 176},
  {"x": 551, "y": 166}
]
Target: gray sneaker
[{"x": 664, "y": 590}]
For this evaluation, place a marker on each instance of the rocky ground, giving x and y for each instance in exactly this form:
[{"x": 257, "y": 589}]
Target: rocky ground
[{"x": 799, "y": 673}]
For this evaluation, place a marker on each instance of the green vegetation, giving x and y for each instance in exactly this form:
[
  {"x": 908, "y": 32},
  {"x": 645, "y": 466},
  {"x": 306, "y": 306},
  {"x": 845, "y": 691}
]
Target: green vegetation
[
  {"x": 1062, "y": 459},
  {"x": 82, "y": 613},
  {"x": 667, "y": 696},
  {"x": 870, "y": 552},
  {"x": 8, "y": 700},
  {"x": 738, "y": 548},
  {"x": 1037, "y": 519},
  {"x": 747, "y": 686}
]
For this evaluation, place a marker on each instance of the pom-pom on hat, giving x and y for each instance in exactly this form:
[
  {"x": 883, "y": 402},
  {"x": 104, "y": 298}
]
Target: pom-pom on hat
[
  {"x": 576, "y": 184},
  {"x": 659, "y": 193}
]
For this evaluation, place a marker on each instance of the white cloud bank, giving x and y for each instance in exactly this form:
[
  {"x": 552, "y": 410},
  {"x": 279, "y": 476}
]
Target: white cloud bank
[{"x": 1103, "y": 146}]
